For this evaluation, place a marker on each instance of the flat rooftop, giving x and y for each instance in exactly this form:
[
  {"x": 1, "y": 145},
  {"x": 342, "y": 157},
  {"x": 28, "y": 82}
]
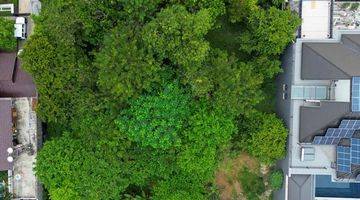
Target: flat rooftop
[{"x": 315, "y": 16}]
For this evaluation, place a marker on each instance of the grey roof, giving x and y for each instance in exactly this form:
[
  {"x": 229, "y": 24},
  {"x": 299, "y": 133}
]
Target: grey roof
[
  {"x": 315, "y": 120},
  {"x": 5, "y": 133},
  {"x": 331, "y": 61},
  {"x": 7, "y": 63},
  {"x": 301, "y": 187},
  {"x": 20, "y": 85}
]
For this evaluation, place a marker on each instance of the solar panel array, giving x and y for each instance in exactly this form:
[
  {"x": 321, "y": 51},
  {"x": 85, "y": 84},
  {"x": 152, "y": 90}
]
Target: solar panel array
[
  {"x": 332, "y": 136},
  {"x": 355, "y": 94},
  {"x": 343, "y": 159},
  {"x": 326, "y": 140},
  {"x": 346, "y": 156},
  {"x": 350, "y": 124},
  {"x": 355, "y": 151}
]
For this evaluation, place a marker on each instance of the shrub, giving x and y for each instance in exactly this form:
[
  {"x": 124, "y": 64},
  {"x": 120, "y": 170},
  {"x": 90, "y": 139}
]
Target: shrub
[
  {"x": 345, "y": 5},
  {"x": 354, "y": 6},
  {"x": 276, "y": 179},
  {"x": 7, "y": 39},
  {"x": 251, "y": 183}
]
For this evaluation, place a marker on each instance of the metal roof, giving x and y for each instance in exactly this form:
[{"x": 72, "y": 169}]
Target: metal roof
[
  {"x": 301, "y": 187},
  {"x": 7, "y": 63},
  {"x": 20, "y": 85},
  {"x": 5, "y": 133},
  {"x": 315, "y": 120},
  {"x": 331, "y": 61}
]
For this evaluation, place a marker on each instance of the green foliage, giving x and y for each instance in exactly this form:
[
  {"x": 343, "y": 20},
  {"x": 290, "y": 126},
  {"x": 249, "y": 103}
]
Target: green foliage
[
  {"x": 240, "y": 10},
  {"x": 3, "y": 175},
  {"x": 223, "y": 77},
  {"x": 140, "y": 98},
  {"x": 198, "y": 156},
  {"x": 269, "y": 31},
  {"x": 183, "y": 187},
  {"x": 354, "y": 6},
  {"x": 344, "y": 5},
  {"x": 265, "y": 137},
  {"x": 269, "y": 3},
  {"x": 125, "y": 70},
  {"x": 7, "y": 38},
  {"x": 71, "y": 170},
  {"x": 186, "y": 165},
  {"x": 178, "y": 35},
  {"x": 251, "y": 183},
  {"x": 156, "y": 120},
  {"x": 276, "y": 179}
]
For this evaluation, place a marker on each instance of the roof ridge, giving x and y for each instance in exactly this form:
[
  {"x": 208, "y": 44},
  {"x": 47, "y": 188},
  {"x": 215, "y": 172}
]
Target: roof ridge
[{"x": 327, "y": 60}]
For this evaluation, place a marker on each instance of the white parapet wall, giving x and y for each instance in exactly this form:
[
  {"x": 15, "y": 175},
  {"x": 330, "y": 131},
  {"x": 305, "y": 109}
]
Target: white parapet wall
[{"x": 7, "y": 8}]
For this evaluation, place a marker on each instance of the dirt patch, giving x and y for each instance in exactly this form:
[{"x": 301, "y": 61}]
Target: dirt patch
[{"x": 227, "y": 176}]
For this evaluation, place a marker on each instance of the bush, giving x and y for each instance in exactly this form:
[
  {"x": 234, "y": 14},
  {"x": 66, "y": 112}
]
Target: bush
[
  {"x": 354, "y": 6},
  {"x": 345, "y": 5},
  {"x": 251, "y": 183},
  {"x": 7, "y": 39},
  {"x": 276, "y": 179},
  {"x": 265, "y": 137}
]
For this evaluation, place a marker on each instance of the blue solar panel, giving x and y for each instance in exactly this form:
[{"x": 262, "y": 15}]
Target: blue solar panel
[
  {"x": 326, "y": 140},
  {"x": 350, "y": 124},
  {"x": 343, "y": 159},
  {"x": 339, "y": 132},
  {"x": 317, "y": 139},
  {"x": 355, "y": 151},
  {"x": 355, "y": 94}
]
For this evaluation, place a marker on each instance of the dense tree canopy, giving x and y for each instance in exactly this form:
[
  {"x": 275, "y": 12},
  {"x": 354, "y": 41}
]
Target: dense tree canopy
[
  {"x": 266, "y": 136},
  {"x": 155, "y": 121},
  {"x": 137, "y": 97},
  {"x": 7, "y": 38},
  {"x": 125, "y": 70},
  {"x": 269, "y": 31}
]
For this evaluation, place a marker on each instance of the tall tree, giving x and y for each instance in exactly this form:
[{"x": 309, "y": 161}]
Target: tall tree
[
  {"x": 178, "y": 35},
  {"x": 156, "y": 121},
  {"x": 269, "y": 31},
  {"x": 265, "y": 136},
  {"x": 125, "y": 69}
]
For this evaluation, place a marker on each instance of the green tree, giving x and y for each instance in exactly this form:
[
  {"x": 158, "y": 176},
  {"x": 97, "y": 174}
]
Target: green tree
[
  {"x": 197, "y": 156},
  {"x": 216, "y": 7},
  {"x": 178, "y": 35},
  {"x": 276, "y": 179},
  {"x": 229, "y": 84},
  {"x": 269, "y": 3},
  {"x": 7, "y": 38},
  {"x": 125, "y": 69},
  {"x": 265, "y": 137},
  {"x": 71, "y": 170},
  {"x": 179, "y": 169},
  {"x": 239, "y": 10},
  {"x": 156, "y": 121},
  {"x": 182, "y": 187},
  {"x": 251, "y": 183},
  {"x": 269, "y": 31}
]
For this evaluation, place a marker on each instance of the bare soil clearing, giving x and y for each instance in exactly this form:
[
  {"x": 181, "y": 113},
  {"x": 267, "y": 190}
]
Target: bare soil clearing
[{"x": 227, "y": 176}]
